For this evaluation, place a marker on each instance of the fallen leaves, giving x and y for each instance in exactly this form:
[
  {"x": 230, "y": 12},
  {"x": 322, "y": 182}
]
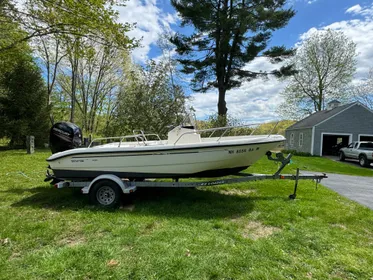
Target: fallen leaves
[
  {"x": 112, "y": 263},
  {"x": 5, "y": 241}
]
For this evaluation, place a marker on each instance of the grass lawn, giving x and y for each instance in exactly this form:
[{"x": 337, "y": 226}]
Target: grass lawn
[{"x": 239, "y": 231}]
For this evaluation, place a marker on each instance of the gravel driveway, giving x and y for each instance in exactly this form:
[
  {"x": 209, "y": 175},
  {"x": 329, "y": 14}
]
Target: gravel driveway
[{"x": 357, "y": 188}]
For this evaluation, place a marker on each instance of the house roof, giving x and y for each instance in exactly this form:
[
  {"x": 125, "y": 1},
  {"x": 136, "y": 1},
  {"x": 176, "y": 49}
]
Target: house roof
[{"x": 318, "y": 117}]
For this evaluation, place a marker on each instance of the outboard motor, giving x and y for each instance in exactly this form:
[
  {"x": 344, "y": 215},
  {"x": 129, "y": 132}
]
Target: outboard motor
[{"x": 64, "y": 136}]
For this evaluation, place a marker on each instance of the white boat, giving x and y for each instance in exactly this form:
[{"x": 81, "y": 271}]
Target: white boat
[{"x": 185, "y": 153}]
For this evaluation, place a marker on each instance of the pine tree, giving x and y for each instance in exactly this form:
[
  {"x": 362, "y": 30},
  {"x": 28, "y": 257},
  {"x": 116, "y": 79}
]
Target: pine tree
[
  {"x": 227, "y": 35},
  {"x": 23, "y": 110}
]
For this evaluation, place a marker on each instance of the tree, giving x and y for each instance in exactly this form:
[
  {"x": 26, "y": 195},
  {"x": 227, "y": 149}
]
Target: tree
[
  {"x": 23, "y": 110},
  {"x": 227, "y": 35},
  {"x": 97, "y": 72},
  {"x": 363, "y": 92},
  {"x": 51, "y": 52},
  {"x": 95, "y": 20},
  {"x": 10, "y": 31},
  {"x": 325, "y": 65},
  {"x": 149, "y": 101}
]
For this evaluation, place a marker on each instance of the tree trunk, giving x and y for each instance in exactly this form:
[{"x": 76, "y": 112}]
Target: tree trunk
[
  {"x": 72, "y": 97},
  {"x": 222, "y": 109},
  {"x": 319, "y": 105}
]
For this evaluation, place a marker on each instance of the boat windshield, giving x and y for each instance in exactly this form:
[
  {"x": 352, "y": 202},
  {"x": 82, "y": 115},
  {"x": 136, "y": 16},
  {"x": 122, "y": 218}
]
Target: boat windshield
[{"x": 189, "y": 121}]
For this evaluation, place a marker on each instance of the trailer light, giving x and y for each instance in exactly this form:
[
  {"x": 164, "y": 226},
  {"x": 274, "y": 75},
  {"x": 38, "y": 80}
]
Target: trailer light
[{"x": 282, "y": 177}]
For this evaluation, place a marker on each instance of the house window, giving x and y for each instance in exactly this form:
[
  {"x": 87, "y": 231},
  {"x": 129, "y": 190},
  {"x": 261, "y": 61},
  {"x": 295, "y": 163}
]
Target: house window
[
  {"x": 300, "y": 139},
  {"x": 292, "y": 139}
]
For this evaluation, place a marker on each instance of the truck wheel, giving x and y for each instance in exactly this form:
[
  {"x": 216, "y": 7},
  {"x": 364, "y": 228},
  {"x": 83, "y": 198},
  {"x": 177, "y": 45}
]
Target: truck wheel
[
  {"x": 105, "y": 193},
  {"x": 342, "y": 156},
  {"x": 363, "y": 161}
]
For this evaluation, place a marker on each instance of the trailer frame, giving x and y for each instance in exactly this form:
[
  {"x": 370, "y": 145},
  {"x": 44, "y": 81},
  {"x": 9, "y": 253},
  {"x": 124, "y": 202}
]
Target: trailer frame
[{"x": 104, "y": 189}]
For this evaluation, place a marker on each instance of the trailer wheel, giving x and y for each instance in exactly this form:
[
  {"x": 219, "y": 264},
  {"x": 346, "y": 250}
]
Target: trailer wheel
[
  {"x": 105, "y": 193},
  {"x": 363, "y": 161}
]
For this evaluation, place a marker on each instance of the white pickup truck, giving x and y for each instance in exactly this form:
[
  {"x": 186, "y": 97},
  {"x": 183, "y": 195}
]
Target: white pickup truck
[{"x": 363, "y": 151}]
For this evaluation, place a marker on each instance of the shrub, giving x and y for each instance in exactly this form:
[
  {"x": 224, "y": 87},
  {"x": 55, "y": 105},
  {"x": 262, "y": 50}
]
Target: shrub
[{"x": 296, "y": 153}]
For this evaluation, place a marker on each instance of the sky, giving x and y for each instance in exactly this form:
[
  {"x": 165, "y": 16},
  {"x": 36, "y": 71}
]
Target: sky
[{"x": 257, "y": 101}]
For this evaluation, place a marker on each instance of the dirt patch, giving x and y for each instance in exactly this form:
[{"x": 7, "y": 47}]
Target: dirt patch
[
  {"x": 238, "y": 192},
  {"x": 112, "y": 263},
  {"x": 72, "y": 241},
  {"x": 256, "y": 230},
  {"x": 150, "y": 227}
]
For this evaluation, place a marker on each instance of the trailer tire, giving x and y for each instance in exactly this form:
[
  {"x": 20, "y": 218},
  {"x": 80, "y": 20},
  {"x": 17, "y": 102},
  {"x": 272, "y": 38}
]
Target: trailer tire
[{"x": 105, "y": 193}]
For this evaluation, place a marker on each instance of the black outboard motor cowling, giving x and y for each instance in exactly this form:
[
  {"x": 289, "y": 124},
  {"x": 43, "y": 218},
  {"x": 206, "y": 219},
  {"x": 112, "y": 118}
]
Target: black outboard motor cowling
[{"x": 65, "y": 136}]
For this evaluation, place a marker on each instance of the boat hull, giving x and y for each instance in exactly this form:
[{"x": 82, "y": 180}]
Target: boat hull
[{"x": 164, "y": 162}]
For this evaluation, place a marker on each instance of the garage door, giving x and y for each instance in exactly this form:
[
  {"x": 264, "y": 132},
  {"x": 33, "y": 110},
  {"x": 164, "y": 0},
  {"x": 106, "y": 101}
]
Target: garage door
[
  {"x": 366, "y": 138},
  {"x": 331, "y": 143}
]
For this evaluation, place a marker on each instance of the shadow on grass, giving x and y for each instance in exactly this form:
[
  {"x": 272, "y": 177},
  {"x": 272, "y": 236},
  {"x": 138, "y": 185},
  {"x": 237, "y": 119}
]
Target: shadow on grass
[
  {"x": 49, "y": 197},
  {"x": 166, "y": 202}
]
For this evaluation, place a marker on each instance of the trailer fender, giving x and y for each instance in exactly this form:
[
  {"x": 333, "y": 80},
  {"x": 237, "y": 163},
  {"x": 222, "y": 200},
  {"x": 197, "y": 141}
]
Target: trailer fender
[{"x": 126, "y": 188}]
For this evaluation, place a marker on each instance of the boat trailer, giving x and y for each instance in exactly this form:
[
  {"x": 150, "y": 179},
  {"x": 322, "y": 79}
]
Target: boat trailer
[{"x": 105, "y": 190}]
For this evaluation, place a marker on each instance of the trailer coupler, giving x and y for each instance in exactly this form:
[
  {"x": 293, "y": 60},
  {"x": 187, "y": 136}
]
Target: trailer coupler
[{"x": 279, "y": 158}]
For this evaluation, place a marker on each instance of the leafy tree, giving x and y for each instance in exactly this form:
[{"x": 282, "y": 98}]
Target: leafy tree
[
  {"x": 325, "y": 65},
  {"x": 98, "y": 73},
  {"x": 227, "y": 35},
  {"x": 23, "y": 110},
  {"x": 149, "y": 101},
  {"x": 92, "y": 19},
  {"x": 363, "y": 91},
  {"x": 10, "y": 31}
]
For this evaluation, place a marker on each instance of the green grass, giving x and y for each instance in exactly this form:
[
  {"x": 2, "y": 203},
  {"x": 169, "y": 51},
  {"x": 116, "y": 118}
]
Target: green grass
[{"x": 241, "y": 231}]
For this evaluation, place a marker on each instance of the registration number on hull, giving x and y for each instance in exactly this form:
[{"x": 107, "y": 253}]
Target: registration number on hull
[{"x": 241, "y": 151}]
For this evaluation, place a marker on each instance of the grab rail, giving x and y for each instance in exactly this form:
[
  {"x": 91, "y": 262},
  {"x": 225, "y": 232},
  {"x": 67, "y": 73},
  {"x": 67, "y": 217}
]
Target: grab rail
[{"x": 142, "y": 137}]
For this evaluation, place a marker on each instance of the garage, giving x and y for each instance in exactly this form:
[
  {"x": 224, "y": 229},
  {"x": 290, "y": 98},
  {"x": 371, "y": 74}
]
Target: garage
[
  {"x": 325, "y": 132},
  {"x": 365, "y": 137},
  {"x": 331, "y": 143}
]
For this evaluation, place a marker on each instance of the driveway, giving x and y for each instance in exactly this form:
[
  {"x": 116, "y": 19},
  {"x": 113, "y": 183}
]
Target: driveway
[
  {"x": 349, "y": 161},
  {"x": 357, "y": 188}
]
